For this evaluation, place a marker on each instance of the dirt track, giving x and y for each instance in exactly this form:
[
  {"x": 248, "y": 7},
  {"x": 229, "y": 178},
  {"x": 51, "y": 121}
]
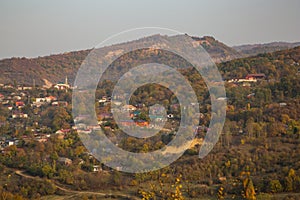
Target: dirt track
[{"x": 74, "y": 192}]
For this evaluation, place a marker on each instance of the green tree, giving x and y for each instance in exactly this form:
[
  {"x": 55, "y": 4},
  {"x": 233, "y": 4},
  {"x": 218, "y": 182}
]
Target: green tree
[
  {"x": 61, "y": 119},
  {"x": 275, "y": 186},
  {"x": 48, "y": 171}
]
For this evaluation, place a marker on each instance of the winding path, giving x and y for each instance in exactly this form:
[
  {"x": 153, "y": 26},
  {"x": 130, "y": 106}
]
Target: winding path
[{"x": 22, "y": 174}]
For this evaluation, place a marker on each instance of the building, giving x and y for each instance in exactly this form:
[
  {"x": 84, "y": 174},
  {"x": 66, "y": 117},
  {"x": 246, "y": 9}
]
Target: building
[
  {"x": 64, "y": 161},
  {"x": 19, "y": 115},
  {"x": 63, "y": 86},
  {"x": 20, "y": 104},
  {"x": 255, "y": 76},
  {"x": 97, "y": 168},
  {"x": 60, "y": 103},
  {"x": 142, "y": 123},
  {"x": 128, "y": 108},
  {"x": 10, "y": 142}
]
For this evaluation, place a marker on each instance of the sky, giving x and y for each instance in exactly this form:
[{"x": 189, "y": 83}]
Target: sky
[{"x": 31, "y": 28}]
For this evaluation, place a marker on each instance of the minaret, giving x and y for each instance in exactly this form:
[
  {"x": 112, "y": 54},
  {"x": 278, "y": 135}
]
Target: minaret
[{"x": 66, "y": 81}]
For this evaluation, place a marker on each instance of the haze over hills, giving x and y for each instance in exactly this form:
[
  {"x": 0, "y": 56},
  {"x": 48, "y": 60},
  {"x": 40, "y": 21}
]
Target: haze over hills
[
  {"x": 254, "y": 49},
  {"x": 54, "y": 68}
]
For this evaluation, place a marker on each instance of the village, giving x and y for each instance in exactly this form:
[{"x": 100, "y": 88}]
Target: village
[
  {"x": 18, "y": 101},
  {"x": 31, "y": 113}
]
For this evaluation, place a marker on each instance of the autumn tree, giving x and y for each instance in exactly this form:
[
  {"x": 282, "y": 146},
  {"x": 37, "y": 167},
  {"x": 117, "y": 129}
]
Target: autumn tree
[{"x": 248, "y": 187}]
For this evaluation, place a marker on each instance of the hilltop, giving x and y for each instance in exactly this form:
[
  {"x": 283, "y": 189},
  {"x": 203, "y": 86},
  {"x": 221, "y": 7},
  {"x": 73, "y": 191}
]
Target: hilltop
[{"x": 54, "y": 68}]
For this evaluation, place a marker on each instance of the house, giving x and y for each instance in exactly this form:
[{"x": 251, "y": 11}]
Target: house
[
  {"x": 283, "y": 104},
  {"x": 17, "y": 97},
  {"x": 40, "y": 100},
  {"x": 250, "y": 78},
  {"x": 117, "y": 103},
  {"x": 255, "y": 76},
  {"x": 104, "y": 99},
  {"x": 23, "y": 94},
  {"x": 27, "y": 88},
  {"x": 87, "y": 131},
  {"x": 128, "y": 108},
  {"x": 142, "y": 123},
  {"x": 222, "y": 179},
  {"x": 222, "y": 98},
  {"x": 60, "y": 134},
  {"x": 94, "y": 127},
  {"x": 63, "y": 131},
  {"x": 62, "y": 86},
  {"x": 60, "y": 103},
  {"x": 8, "y": 86},
  {"x": 80, "y": 118},
  {"x": 65, "y": 161},
  {"x": 41, "y": 139},
  {"x": 97, "y": 168},
  {"x": 24, "y": 88},
  {"x": 20, "y": 104},
  {"x": 50, "y": 99},
  {"x": 44, "y": 100},
  {"x": 242, "y": 80},
  {"x": 10, "y": 142},
  {"x": 19, "y": 115}
]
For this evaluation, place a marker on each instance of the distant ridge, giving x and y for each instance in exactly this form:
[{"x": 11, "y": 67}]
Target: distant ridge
[
  {"x": 54, "y": 68},
  {"x": 254, "y": 49}
]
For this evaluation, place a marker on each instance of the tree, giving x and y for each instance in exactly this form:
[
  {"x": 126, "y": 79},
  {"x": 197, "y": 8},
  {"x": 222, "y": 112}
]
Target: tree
[
  {"x": 292, "y": 181},
  {"x": 48, "y": 171},
  {"x": 248, "y": 187},
  {"x": 221, "y": 193},
  {"x": 61, "y": 119},
  {"x": 275, "y": 186},
  {"x": 65, "y": 176}
]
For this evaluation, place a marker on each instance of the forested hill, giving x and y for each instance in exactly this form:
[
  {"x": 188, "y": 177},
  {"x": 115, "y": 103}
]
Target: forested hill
[
  {"x": 54, "y": 68},
  {"x": 254, "y": 49},
  {"x": 275, "y": 66}
]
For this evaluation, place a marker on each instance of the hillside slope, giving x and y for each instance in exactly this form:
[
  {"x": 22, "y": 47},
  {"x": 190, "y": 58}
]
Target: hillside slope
[
  {"x": 55, "y": 68},
  {"x": 255, "y": 49}
]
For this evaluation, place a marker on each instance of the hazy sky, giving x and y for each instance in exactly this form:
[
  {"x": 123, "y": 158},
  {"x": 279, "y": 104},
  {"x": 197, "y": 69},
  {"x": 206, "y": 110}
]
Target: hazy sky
[{"x": 41, "y": 27}]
